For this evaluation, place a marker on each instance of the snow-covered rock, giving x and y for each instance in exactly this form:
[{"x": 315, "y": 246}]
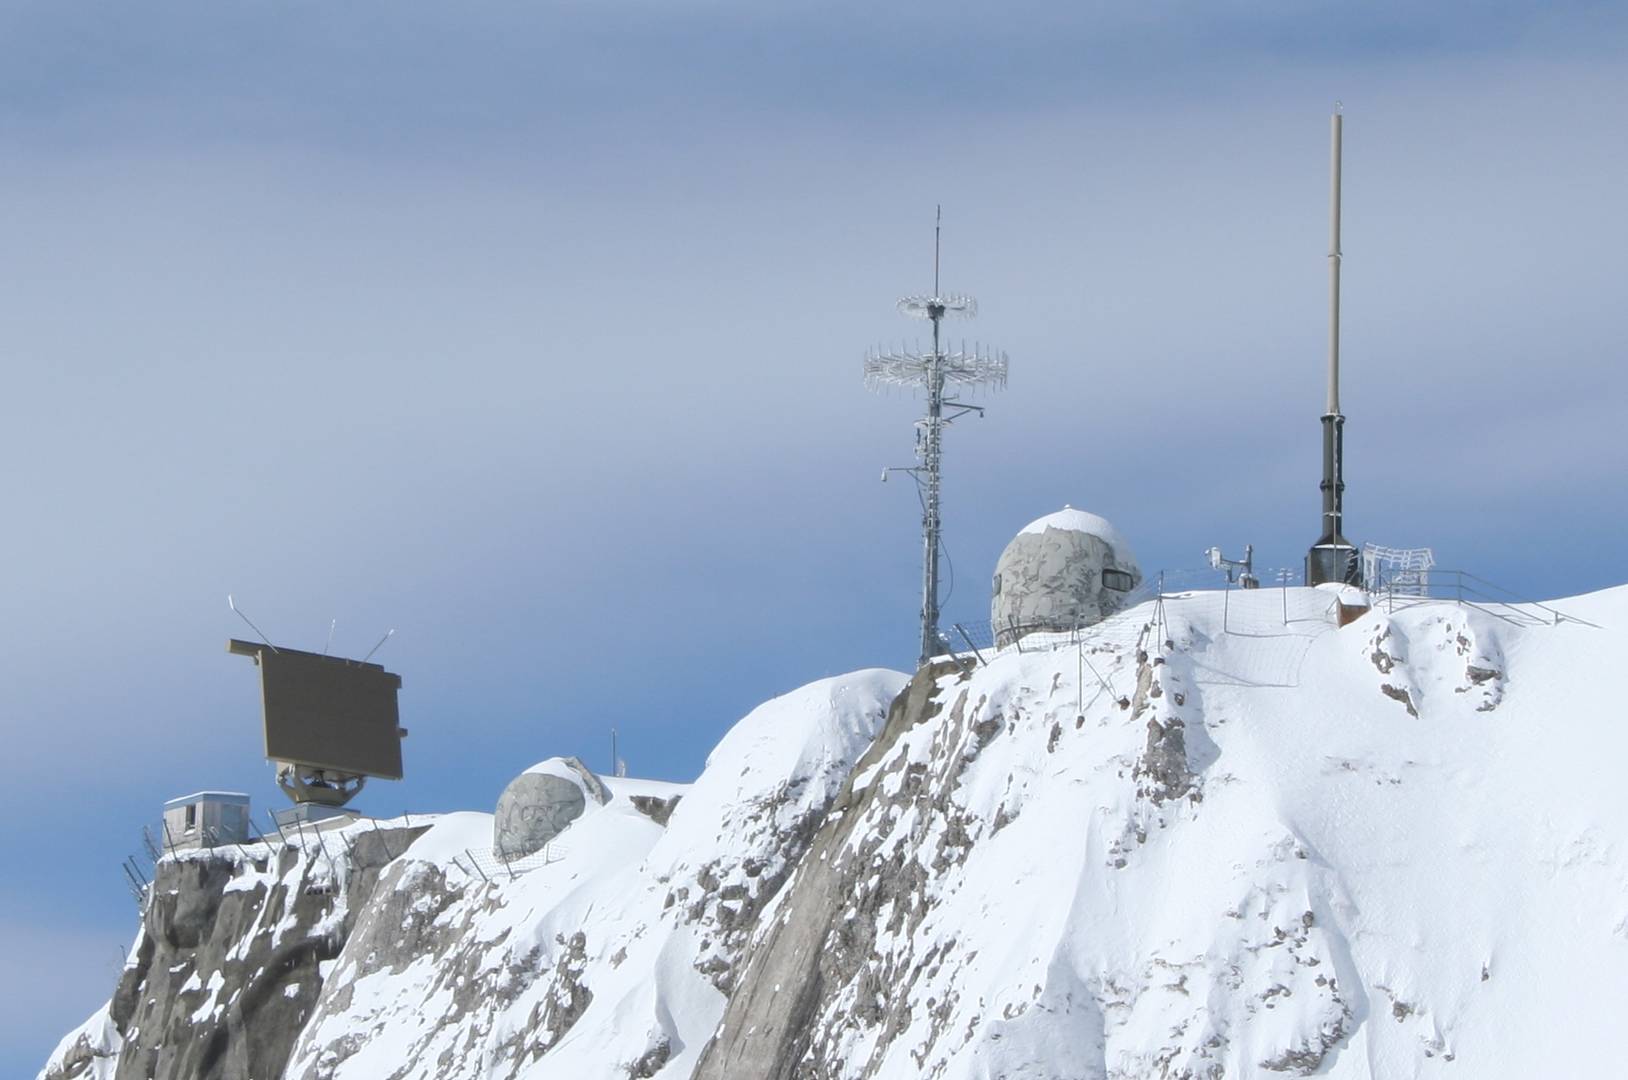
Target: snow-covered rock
[
  {"x": 231, "y": 957},
  {"x": 1213, "y": 842},
  {"x": 612, "y": 958},
  {"x": 1216, "y": 837}
]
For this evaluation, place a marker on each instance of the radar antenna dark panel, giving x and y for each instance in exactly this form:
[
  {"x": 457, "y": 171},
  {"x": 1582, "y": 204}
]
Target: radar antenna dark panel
[{"x": 327, "y": 712}]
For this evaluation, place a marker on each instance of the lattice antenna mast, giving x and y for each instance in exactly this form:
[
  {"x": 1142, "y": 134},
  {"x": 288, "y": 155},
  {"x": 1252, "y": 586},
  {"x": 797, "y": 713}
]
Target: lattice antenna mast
[{"x": 933, "y": 371}]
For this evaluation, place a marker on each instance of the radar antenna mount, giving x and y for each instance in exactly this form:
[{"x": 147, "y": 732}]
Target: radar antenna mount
[{"x": 934, "y": 371}]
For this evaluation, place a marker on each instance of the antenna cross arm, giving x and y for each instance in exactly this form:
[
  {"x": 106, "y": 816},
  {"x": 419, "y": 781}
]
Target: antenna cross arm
[
  {"x": 255, "y": 649},
  {"x": 245, "y": 648}
]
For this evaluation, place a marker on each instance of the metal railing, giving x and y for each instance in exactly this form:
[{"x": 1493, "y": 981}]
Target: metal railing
[
  {"x": 1472, "y": 591},
  {"x": 977, "y": 639}
]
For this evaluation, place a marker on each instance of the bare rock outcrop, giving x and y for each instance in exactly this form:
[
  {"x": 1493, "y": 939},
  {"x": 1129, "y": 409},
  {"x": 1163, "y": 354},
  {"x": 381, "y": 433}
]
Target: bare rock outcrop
[{"x": 229, "y": 960}]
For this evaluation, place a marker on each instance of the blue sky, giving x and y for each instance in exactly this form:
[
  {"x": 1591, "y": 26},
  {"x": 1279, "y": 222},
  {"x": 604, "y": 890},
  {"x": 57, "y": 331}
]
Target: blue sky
[{"x": 533, "y": 332}]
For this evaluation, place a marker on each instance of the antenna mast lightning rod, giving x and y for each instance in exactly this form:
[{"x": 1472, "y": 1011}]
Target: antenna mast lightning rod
[{"x": 933, "y": 371}]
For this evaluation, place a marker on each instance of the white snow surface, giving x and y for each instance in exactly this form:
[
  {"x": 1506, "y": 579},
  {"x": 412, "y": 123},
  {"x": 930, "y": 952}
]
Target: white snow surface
[
  {"x": 556, "y": 766},
  {"x": 1349, "y": 595},
  {"x": 1069, "y": 519},
  {"x": 1405, "y": 855}
]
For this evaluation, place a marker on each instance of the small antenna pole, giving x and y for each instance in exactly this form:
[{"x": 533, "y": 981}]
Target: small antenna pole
[
  {"x": 388, "y": 634},
  {"x": 231, "y": 604},
  {"x": 331, "y": 624},
  {"x": 938, "y": 232}
]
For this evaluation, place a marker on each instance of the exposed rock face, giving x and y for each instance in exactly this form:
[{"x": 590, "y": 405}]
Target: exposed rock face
[
  {"x": 657, "y": 810},
  {"x": 815, "y": 946},
  {"x": 883, "y": 958},
  {"x": 228, "y": 964},
  {"x": 1163, "y": 767}
]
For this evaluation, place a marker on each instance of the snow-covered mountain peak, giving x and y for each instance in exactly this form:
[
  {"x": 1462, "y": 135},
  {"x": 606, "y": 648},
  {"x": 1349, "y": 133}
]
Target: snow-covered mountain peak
[{"x": 1213, "y": 836}]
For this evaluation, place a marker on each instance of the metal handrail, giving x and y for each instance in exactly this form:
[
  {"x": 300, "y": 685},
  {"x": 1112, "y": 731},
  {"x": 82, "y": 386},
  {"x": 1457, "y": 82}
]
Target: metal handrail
[
  {"x": 1439, "y": 586},
  {"x": 1472, "y": 590}
]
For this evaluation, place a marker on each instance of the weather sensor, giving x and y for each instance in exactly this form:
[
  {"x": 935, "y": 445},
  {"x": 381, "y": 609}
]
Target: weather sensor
[
  {"x": 934, "y": 371},
  {"x": 1240, "y": 570}
]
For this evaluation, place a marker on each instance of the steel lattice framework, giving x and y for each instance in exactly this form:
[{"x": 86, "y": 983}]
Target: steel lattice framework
[{"x": 934, "y": 370}]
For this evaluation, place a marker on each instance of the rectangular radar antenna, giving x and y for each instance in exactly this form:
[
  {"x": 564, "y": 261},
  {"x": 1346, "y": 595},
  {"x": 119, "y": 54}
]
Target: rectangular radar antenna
[
  {"x": 934, "y": 371},
  {"x": 330, "y": 723}
]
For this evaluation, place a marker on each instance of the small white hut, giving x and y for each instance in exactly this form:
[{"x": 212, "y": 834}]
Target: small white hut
[{"x": 206, "y": 819}]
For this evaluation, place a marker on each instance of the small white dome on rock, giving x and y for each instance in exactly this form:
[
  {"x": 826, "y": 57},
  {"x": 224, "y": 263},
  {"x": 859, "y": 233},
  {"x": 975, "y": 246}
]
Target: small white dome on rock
[
  {"x": 1062, "y": 571},
  {"x": 539, "y": 804}
]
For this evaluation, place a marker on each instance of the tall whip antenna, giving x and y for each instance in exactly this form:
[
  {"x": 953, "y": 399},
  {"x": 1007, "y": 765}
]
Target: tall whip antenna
[
  {"x": 1333, "y": 557},
  {"x": 934, "y": 371},
  {"x": 938, "y": 235}
]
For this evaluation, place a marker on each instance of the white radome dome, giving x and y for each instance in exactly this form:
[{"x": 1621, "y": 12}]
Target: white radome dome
[{"x": 1066, "y": 570}]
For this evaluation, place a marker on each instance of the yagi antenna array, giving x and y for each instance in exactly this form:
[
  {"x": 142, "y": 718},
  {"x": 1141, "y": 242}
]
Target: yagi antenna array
[
  {"x": 934, "y": 370},
  {"x": 975, "y": 367}
]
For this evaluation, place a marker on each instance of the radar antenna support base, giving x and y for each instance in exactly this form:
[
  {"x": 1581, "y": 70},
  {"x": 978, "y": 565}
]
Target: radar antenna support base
[{"x": 323, "y": 787}]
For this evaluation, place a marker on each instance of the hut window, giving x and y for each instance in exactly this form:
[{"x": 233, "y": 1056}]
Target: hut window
[
  {"x": 192, "y": 818},
  {"x": 1117, "y": 580}
]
